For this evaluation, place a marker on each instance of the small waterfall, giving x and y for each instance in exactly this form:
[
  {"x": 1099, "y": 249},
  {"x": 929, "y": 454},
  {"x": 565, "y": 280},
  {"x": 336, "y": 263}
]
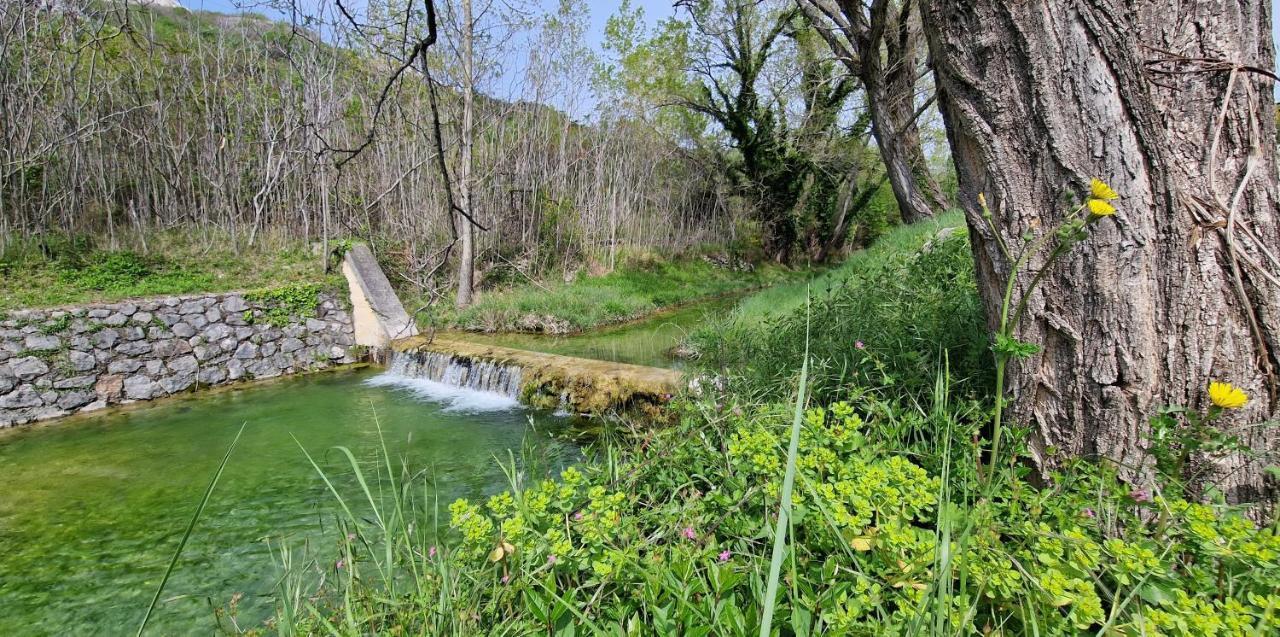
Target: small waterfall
[{"x": 475, "y": 375}]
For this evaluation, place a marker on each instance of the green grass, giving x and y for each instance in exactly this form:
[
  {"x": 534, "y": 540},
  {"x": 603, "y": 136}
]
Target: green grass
[
  {"x": 639, "y": 287},
  {"x": 78, "y": 273},
  {"x": 886, "y": 317}
]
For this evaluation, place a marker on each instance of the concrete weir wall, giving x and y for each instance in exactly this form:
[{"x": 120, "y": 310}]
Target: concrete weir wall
[
  {"x": 377, "y": 314},
  {"x": 58, "y": 362}
]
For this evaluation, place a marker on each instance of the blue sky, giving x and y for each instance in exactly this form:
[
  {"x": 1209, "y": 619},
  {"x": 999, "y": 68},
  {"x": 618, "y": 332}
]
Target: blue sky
[{"x": 654, "y": 10}]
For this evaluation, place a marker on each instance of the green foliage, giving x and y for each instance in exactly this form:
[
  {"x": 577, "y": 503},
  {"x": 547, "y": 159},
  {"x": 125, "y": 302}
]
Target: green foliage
[
  {"x": 672, "y": 533},
  {"x": 281, "y": 305},
  {"x": 57, "y": 325},
  {"x": 57, "y": 270},
  {"x": 107, "y": 271},
  {"x": 888, "y": 317}
]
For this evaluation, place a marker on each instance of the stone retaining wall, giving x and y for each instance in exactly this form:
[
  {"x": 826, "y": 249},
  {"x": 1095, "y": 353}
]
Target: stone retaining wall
[{"x": 58, "y": 362}]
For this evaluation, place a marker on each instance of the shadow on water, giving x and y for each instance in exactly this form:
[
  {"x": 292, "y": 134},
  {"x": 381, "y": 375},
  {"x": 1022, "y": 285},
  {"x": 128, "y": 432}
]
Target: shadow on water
[{"x": 92, "y": 509}]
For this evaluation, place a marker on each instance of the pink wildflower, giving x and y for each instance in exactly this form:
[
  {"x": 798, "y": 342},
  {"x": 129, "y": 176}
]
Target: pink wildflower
[
  {"x": 725, "y": 555},
  {"x": 341, "y": 563},
  {"x": 1140, "y": 495},
  {"x": 431, "y": 552},
  {"x": 1088, "y": 513},
  {"x": 860, "y": 345},
  {"x": 551, "y": 559},
  {"x": 506, "y": 578},
  {"x": 689, "y": 533},
  {"x": 577, "y": 516}
]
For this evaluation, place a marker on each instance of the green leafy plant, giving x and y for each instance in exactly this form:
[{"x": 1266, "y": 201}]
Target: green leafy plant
[
  {"x": 1070, "y": 231},
  {"x": 280, "y": 306}
]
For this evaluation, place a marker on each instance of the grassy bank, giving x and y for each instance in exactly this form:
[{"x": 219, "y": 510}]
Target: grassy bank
[
  {"x": 71, "y": 273},
  {"x": 888, "y": 316},
  {"x": 893, "y": 529},
  {"x": 640, "y": 286}
]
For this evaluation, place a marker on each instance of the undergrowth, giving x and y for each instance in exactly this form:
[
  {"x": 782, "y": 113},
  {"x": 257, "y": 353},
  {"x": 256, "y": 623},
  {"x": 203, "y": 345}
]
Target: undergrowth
[{"x": 66, "y": 271}]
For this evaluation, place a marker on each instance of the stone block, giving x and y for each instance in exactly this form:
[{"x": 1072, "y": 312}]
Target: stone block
[
  {"x": 81, "y": 361},
  {"x": 184, "y": 365},
  {"x": 140, "y": 387},
  {"x": 247, "y": 351},
  {"x": 133, "y": 348},
  {"x": 24, "y": 397},
  {"x": 28, "y": 368},
  {"x": 75, "y": 400},
  {"x": 175, "y": 384},
  {"x": 124, "y": 366},
  {"x": 42, "y": 342},
  {"x": 75, "y": 382},
  {"x": 106, "y": 338}
]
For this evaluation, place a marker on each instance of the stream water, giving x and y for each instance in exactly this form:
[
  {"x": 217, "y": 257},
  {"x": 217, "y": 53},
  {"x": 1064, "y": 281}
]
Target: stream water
[
  {"x": 648, "y": 341},
  {"x": 92, "y": 509}
]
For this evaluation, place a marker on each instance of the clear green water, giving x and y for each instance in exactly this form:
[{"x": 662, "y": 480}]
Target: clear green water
[
  {"x": 647, "y": 341},
  {"x": 92, "y": 509}
]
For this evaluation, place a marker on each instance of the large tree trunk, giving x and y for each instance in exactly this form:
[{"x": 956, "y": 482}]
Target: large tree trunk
[{"x": 1170, "y": 104}]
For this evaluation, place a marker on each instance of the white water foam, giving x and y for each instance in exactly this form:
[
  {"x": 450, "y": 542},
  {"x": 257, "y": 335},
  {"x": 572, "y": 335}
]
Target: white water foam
[{"x": 459, "y": 399}]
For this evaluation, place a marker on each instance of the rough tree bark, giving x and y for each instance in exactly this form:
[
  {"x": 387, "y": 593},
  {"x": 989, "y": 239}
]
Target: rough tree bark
[
  {"x": 881, "y": 44},
  {"x": 1171, "y": 104}
]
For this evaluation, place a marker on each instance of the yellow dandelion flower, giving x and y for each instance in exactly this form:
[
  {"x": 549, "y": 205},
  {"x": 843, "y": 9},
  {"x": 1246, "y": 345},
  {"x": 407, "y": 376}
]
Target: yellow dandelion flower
[
  {"x": 1100, "y": 208},
  {"x": 1227, "y": 396},
  {"x": 1099, "y": 189}
]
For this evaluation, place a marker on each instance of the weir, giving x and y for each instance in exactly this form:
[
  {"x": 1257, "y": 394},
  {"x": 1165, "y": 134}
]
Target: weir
[
  {"x": 476, "y": 375},
  {"x": 541, "y": 380},
  {"x": 547, "y": 381}
]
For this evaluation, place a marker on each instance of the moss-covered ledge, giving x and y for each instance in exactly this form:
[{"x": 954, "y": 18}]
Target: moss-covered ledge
[{"x": 549, "y": 380}]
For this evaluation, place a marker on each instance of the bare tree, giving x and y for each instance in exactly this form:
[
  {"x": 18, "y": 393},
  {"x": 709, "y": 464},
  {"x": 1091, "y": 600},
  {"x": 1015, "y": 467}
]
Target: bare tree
[{"x": 881, "y": 43}]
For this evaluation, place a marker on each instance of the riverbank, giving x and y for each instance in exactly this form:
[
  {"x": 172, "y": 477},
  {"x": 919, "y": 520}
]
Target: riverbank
[{"x": 640, "y": 287}]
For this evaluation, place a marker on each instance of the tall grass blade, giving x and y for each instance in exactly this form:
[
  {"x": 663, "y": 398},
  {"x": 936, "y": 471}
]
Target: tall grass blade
[
  {"x": 195, "y": 518},
  {"x": 784, "y": 512}
]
